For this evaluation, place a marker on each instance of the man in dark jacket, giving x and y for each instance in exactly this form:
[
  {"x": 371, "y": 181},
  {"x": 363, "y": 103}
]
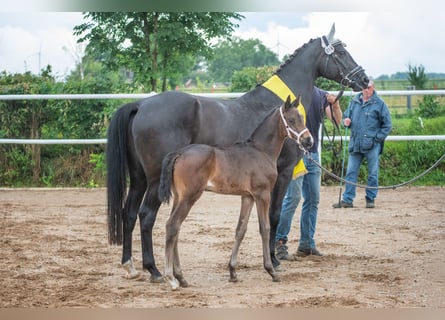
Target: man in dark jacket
[{"x": 369, "y": 119}]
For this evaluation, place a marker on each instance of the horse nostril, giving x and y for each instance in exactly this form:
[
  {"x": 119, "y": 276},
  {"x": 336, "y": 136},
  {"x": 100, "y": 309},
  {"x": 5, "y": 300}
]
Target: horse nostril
[
  {"x": 366, "y": 79},
  {"x": 309, "y": 141}
]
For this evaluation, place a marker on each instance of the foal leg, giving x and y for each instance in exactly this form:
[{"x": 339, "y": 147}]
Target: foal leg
[
  {"x": 173, "y": 272},
  {"x": 262, "y": 203},
  {"x": 147, "y": 218},
  {"x": 246, "y": 209}
]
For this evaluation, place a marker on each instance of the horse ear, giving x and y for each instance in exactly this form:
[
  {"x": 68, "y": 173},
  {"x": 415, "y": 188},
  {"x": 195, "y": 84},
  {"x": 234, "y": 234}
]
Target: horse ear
[
  {"x": 331, "y": 33},
  {"x": 296, "y": 102},
  {"x": 287, "y": 104}
]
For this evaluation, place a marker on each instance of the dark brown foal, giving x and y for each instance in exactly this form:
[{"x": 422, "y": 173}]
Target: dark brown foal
[{"x": 247, "y": 169}]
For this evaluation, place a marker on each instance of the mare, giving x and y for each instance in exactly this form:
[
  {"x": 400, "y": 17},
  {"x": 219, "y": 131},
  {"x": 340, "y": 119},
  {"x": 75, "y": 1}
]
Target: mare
[
  {"x": 247, "y": 169},
  {"x": 141, "y": 133}
]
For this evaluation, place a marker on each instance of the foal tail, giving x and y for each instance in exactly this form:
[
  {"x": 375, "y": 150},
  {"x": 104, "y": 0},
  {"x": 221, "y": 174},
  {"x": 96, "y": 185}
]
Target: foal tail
[
  {"x": 117, "y": 169},
  {"x": 165, "y": 184}
]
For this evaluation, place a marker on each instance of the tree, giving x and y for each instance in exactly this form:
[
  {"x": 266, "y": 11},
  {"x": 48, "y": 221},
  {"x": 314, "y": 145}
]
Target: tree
[
  {"x": 23, "y": 119},
  {"x": 236, "y": 54},
  {"x": 417, "y": 76},
  {"x": 151, "y": 44}
]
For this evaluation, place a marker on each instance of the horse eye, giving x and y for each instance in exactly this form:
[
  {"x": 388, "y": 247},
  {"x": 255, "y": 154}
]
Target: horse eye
[{"x": 292, "y": 121}]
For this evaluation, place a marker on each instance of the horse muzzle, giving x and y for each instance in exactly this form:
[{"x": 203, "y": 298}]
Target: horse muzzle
[
  {"x": 356, "y": 79},
  {"x": 304, "y": 139}
]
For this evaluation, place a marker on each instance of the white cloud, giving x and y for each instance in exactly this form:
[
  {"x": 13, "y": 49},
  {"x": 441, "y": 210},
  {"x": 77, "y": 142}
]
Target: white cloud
[
  {"x": 31, "y": 46},
  {"x": 381, "y": 40}
]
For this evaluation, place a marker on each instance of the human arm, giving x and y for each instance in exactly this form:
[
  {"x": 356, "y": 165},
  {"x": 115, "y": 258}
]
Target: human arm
[{"x": 334, "y": 114}]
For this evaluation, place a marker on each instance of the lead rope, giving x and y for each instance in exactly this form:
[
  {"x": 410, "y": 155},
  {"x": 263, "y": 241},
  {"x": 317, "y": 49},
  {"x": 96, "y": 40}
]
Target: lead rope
[{"x": 395, "y": 186}]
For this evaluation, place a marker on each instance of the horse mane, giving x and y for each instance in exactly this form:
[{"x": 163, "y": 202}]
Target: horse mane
[{"x": 294, "y": 54}]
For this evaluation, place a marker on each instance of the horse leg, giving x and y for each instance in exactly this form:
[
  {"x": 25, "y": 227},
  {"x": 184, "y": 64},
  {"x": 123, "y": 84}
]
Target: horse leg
[
  {"x": 246, "y": 209},
  {"x": 177, "y": 270},
  {"x": 173, "y": 272},
  {"x": 262, "y": 202},
  {"x": 147, "y": 218},
  {"x": 135, "y": 194}
]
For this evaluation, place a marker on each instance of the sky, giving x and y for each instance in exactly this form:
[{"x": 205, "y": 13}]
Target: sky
[{"x": 382, "y": 42}]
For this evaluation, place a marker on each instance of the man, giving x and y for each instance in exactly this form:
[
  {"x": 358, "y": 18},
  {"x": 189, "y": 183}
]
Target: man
[
  {"x": 369, "y": 119},
  {"x": 307, "y": 184}
]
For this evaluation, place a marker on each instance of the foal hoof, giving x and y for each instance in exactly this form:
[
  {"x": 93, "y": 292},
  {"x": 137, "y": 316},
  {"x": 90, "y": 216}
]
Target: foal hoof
[
  {"x": 276, "y": 279},
  {"x": 174, "y": 283},
  {"x": 183, "y": 283}
]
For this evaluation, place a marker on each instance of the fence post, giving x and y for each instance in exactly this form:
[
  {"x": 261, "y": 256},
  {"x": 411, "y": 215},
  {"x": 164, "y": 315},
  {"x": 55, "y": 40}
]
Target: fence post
[{"x": 408, "y": 99}]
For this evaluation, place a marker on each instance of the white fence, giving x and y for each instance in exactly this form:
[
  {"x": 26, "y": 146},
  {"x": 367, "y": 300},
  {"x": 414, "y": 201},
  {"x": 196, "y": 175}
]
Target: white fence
[{"x": 214, "y": 95}]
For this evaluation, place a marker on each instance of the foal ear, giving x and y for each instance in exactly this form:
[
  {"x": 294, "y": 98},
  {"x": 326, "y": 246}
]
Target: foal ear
[
  {"x": 331, "y": 33},
  {"x": 296, "y": 102},
  {"x": 287, "y": 104}
]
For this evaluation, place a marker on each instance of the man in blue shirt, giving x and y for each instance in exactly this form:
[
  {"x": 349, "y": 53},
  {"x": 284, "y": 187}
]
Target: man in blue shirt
[
  {"x": 369, "y": 119},
  {"x": 308, "y": 184}
]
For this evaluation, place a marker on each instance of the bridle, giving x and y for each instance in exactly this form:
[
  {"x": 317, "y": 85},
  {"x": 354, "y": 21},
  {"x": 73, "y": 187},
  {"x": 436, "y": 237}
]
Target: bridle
[
  {"x": 291, "y": 133},
  {"x": 346, "y": 79}
]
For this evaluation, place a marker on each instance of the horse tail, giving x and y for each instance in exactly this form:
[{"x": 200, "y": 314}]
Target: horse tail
[
  {"x": 165, "y": 184},
  {"x": 117, "y": 169}
]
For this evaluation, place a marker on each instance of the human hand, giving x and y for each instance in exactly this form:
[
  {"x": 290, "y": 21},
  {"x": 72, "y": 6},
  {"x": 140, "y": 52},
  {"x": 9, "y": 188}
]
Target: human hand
[
  {"x": 347, "y": 122},
  {"x": 331, "y": 98}
]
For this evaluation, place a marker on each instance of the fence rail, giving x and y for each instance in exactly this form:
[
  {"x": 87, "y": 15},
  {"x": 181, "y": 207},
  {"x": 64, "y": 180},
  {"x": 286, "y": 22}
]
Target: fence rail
[{"x": 230, "y": 95}]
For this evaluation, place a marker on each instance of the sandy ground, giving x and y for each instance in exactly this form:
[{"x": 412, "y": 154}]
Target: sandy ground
[{"x": 54, "y": 253}]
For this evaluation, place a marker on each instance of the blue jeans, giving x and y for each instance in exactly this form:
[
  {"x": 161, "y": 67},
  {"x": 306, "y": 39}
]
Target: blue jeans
[
  {"x": 290, "y": 204},
  {"x": 355, "y": 159},
  {"x": 307, "y": 186}
]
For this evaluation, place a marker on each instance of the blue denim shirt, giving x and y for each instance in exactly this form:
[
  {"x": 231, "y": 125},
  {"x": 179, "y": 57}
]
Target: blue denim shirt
[{"x": 370, "y": 122}]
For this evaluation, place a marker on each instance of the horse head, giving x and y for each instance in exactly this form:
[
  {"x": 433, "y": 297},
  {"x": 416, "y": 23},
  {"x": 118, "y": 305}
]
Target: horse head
[
  {"x": 294, "y": 123},
  {"x": 339, "y": 64}
]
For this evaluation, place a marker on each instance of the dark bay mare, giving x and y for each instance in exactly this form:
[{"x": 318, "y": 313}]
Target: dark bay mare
[
  {"x": 247, "y": 169},
  {"x": 141, "y": 133}
]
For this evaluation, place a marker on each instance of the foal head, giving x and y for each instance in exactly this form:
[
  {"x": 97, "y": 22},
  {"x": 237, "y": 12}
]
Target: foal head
[{"x": 294, "y": 123}]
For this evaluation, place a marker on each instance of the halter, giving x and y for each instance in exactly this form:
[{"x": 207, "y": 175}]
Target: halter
[
  {"x": 346, "y": 80},
  {"x": 290, "y": 131}
]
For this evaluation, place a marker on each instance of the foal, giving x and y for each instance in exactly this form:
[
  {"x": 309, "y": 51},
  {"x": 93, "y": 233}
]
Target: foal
[{"x": 247, "y": 169}]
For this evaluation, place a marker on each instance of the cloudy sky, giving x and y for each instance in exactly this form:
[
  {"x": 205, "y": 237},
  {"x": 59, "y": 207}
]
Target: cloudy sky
[{"x": 383, "y": 42}]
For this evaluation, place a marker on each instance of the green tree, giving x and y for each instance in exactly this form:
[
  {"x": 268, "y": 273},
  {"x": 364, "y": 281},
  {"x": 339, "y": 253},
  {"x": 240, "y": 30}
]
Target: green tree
[
  {"x": 155, "y": 46},
  {"x": 249, "y": 77},
  {"x": 417, "y": 76},
  {"x": 236, "y": 54},
  {"x": 22, "y": 119}
]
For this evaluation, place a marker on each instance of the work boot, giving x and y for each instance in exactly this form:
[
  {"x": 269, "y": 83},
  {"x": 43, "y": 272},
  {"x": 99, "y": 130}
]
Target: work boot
[
  {"x": 281, "y": 250},
  {"x": 308, "y": 252},
  {"x": 343, "y": 204},
  {"x": 369, "y": 203}
]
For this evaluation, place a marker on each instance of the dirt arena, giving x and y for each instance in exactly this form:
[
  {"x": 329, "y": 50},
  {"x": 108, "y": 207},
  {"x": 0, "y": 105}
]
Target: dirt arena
[{"x": 55, "y": 254}]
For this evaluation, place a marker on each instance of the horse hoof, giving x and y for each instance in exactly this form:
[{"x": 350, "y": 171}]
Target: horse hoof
[
  {"x": 276, "y": 279},
  {"x": 174, "y": 283},
  {"x": 157, "y": 279},
  {"x": 184, "y": 283},
  {"x": 233, "y": 279},
  {"x": 132, "y": 273}
]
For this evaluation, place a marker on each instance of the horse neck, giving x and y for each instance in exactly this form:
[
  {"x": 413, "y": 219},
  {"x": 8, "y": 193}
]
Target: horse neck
[
  {"x": 298, "y": 73},
  {"x": 269, "y": 135},
  {"x": 301, "y": 69}
]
